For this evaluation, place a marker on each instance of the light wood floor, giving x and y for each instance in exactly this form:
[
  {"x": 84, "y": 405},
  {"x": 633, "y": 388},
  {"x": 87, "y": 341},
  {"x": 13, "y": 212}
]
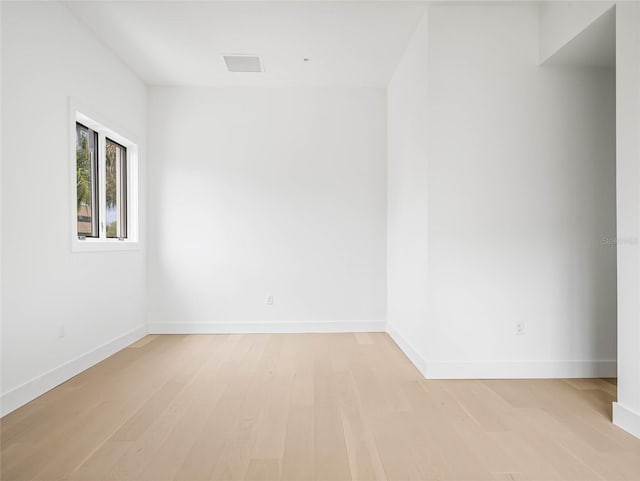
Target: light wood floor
[{"x": 308, "y": 406}]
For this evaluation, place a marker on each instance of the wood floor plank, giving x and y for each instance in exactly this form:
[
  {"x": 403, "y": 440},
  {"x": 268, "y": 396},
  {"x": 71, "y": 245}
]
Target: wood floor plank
[
  {"x": 298, "y": 462},
  {"x": 362, "y": 453},
  {"x": 331, "y": 457},
  {"x": 263, "y": 470}
]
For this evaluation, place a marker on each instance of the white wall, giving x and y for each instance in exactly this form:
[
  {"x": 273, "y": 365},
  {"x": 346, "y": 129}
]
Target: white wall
[
  {"x": 521, "y": 193},
  {"x": 266, "y": 191},
  {"x": 407, "y": 208},
  {"x": 626, "y": 412},
  {"x": 560, "y": 22},
  {"x": 98, "y": 297}
]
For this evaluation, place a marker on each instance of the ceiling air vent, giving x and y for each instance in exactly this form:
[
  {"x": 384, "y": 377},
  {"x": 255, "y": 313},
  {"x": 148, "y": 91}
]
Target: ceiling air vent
[{"x": 243, "y": 63}]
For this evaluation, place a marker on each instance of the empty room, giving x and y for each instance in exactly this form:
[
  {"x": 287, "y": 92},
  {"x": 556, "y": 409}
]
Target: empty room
[{"x": 320, "y": 240}]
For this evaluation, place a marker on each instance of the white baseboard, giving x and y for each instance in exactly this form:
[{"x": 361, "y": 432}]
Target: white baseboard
[
  {"x": 37, "y": 386},
  {"x": 264, "y": 327},
  {"x": 627, "y": 419},
  {"x": 520, "y": 369},
  {"x": 405, "y": 346},
  {"x": 503, "y": 369}
]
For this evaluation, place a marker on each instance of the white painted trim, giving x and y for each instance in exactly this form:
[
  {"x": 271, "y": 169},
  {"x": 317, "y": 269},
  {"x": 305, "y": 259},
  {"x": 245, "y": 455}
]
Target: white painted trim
[
  {"x": 264, "y": 327},
  {"x": 503, "y": 369},
  {"x": 103, "y": 245},
  {"x": 407, "y": 348},
  {"x": 39, "y": 385},
  {"x": 626, "y": 419},
  {"x": 520, "y": 369}
]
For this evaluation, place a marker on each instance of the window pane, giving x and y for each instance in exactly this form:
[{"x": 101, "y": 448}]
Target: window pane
[
  {"x": 86, "y": 181},
  {"x": 116, "y": 185}
]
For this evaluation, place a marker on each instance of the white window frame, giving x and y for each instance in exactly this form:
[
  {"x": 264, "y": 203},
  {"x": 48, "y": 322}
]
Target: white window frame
[{"x": 88, "y": 118}]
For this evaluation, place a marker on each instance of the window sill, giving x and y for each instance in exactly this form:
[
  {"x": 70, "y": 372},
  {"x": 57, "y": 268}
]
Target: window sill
[{"x": 91, "y": 245}]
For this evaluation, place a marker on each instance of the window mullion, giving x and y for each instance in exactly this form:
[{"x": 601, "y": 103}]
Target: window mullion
[
  {"x": 118, "y": 195},
  {"x": 103, "y": 184},
  {"x": 95, "y": 189}
]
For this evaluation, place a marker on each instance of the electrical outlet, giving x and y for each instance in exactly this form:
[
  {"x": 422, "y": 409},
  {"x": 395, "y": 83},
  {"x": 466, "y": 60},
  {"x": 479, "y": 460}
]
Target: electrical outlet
[
  {"x": 268, "y": 300},
  {"x": 519, "y": 328},
  {"x": 62, "y": 331}
]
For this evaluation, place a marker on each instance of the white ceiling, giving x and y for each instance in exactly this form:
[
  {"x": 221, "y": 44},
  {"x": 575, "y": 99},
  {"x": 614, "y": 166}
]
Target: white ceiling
[
  {"x": 595, "y": 46},
  {"x": 182, "y": 43}
]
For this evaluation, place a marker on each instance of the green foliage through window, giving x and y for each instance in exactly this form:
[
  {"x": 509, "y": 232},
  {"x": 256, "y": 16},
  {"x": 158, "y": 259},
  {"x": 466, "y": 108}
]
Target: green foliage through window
[{"x": 87, "y": 216}]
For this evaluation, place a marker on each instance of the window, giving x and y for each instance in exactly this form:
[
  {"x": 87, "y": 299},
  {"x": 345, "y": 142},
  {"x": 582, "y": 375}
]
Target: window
[
  {"x": 105, "y": 187},
  {"x": 86, "y": 181},
  {"x": 116, "y": 190}
]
